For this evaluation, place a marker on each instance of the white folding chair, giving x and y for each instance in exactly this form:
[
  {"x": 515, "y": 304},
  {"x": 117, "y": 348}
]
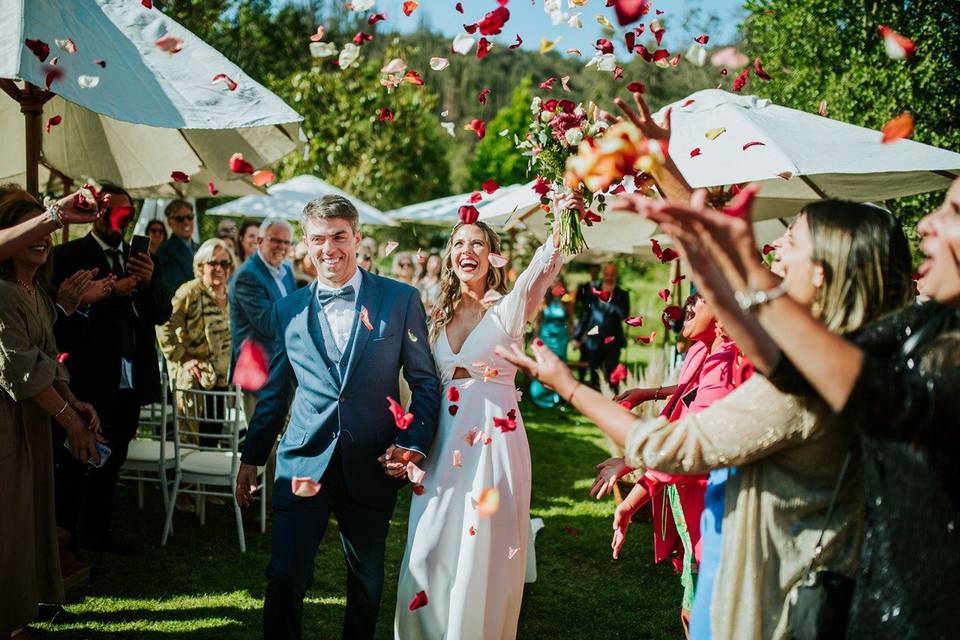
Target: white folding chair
[
  {"x": 150, "y": 457},
  {"x": 208, "y": 469}
]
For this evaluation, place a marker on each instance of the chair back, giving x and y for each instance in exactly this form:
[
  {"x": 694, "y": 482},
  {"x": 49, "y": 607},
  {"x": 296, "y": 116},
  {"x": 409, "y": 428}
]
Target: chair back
[{"x": 208, "y": 423}]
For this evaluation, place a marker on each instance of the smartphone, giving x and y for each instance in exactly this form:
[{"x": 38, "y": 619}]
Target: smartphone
[
  {"x": 102, "y": 449},
  {"x": 139, "y": 244}
]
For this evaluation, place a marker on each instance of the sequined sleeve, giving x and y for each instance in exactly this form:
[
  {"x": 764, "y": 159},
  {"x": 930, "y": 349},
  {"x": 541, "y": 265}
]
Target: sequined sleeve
[{"x": 750, "y": 423}]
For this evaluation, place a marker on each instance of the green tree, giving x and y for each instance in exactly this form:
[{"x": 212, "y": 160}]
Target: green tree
[
  {"x": 386, "y": 163},
  {"x": 831, "y": 50},
  {"x": 496, "y": 155}
]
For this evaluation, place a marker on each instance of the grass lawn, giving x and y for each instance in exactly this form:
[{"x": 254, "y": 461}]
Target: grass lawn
[{"x": 200, "y": 586}]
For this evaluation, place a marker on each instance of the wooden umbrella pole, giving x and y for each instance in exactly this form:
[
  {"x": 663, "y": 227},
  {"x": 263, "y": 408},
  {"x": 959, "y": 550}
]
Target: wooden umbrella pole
[{"x": 32, "y": 99}]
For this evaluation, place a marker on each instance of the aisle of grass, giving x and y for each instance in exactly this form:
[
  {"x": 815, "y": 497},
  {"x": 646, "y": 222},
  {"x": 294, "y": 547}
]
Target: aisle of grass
[{"x": 200, "y": 586}]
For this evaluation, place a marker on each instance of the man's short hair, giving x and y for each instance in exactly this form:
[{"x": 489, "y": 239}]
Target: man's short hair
[
  {"x": 177, "y": 205},
  {"x": 331, "y": 206},
  {"x": 115, "y": 190},
  {"x": 273, "y": 221}
]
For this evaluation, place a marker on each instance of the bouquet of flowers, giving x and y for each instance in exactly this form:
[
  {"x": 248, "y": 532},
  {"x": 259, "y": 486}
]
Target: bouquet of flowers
[
  {"x": 556, "y": 129},
  {"x": 620, "y": 152}
]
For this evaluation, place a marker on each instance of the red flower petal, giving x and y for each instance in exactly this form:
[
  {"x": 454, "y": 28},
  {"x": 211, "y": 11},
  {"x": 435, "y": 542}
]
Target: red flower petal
[
  {"x": 410, "y": 6},
  {"x": 482, "y": 98},
  {"x": 647, "y": 339},
  {"x": 758, "y": 69},
  {"x": 603, "y": 45},
  {"x": 630, "y": 41},
  {"x": 558, "y": 291},
  {"x": 419, "y": 600},
  {"x": 680, "y": 278},
  {"x": 62, "y": 357},
  {"x": 304, "y": 487},
  {"x": 375, "y": 18},
  {"x": 619, "y": 374},
  {"x": 634, "y": 321},
  {"x": 742, "y": 203},
  {"x": 53, "y": 121},
  {"x": 753, "y": 143},
  {"x": 250, "y": 371},
  {"x": 417, "y": 489},
  {"x": 100, "y": 62},
  {"x": 547, "y": 84},
  {"x": 608, "y": 339},
  {"x": 365, "y": 317},
  {"x": 897, "y": 46},
  {"x": 630, "y": 10},
  {"x": 318, "y": 36},
  {"x": 695, "y": 152},
  {"x": 453, "y": 409},
  {"x": 492, "y": 23},
  {"x": 401, "y": 419},
  {"x": 453, "y": 394},
  {"x": 262, "y": 177},
  {"x": 479, "y": 127},
  {"x": 898, "y": 128},
  {"x": 741, "y": 80},
  {"x": 459, "y": 7},
  {"x": 468, "y": 214},
  {"x": 227, "y": 80},
  {"x": 483, "y": 48},
  {"x": 669, "y": 255},
  {"x": 169, "y": 43},
  {"x": 637, "y": 87},
  {"x": 239, "y": 165},
  {"x": 505, "y": 424},
  {"x": 702, "y": 39},
  {"x": 39, "y": 48},
  {"x": 516, "y": 45},
  {"x": 413, "y": 78},
  {"x": 147, "y": 3},
  {"x": 617, "y": 72},
  {"x": 212, "y": 189},
  {"x": 664, "y": 294},
  {"x": 490, "y": 186},
  {"x": 603, "y": 295},
  {"x": 475, "y": 197},
  {"x": 385, "y": 115},
  {"x": 541, "y": 186},
  {"x": 179, "y": 176},
  {"x": 673, "y": 312},
  {"x": 53, "y": 73},
  {"x": 362, "y": 37},
  {"x": 768, "y": 249}
]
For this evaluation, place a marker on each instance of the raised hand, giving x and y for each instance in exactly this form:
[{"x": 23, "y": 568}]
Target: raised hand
[
  {"x": 643, "y": 120},
  {"x": 547, "y": 368},
  {"x": 611, "y": 470},
  {"x": 79, "y": 207}
]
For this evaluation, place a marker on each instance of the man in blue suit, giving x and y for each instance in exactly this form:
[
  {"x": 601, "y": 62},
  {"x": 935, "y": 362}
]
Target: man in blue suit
[
  {"x": 340, "y": 346},
  {"x": 175, "y": 256},
  {"x": 260, "y": 281}
]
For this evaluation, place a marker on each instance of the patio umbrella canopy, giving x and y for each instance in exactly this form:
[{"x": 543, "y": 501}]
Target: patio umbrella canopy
[
  {"x": 138, "y": 97},
  {"x": 287, "y": 200},
  {"x": 446, "y": 210},
  {"x": 720, "y": 138}
]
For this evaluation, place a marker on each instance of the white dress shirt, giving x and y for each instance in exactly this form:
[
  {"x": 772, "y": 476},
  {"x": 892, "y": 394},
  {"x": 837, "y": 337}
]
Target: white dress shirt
[
  {"x": 126, "y": 366},
  {"x": 341, "y": 313},
  {"x": 277, "y": 274}
]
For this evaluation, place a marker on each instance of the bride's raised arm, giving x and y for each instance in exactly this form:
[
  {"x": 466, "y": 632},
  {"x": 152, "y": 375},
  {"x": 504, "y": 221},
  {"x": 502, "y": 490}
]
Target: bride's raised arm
[{"x": 520, "y": 305}]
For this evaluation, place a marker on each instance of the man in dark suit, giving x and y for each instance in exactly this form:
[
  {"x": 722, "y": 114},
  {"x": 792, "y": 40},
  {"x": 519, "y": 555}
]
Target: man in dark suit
[
  {"x": 112, "y": 360},
  {"x": 343, "y": 341},
  {"x": 175, "y": 256},
  {"x": 606, "y": 307},
  {"x": 261, "y": 280}
]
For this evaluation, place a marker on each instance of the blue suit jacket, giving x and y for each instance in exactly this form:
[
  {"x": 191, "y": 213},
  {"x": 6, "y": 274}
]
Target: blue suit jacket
[
  {"x": 252, "y": 293},
  {"x": 351, "y": 414},
  {"x": 175, "y": 264}
]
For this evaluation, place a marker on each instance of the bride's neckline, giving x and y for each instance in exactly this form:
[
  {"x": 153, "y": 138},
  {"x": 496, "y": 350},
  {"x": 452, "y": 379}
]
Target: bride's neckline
[{"x": 446, "y": 338}]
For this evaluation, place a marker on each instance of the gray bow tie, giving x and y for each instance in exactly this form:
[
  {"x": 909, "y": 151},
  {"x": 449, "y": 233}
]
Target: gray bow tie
[{"x": 328, "y": 295}]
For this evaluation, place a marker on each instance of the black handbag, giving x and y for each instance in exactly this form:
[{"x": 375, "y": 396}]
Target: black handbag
[{"x": 820, "y": 603}]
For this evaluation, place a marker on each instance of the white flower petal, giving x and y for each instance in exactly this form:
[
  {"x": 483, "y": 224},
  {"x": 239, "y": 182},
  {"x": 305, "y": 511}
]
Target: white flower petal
[
  {"x": 88, "y": 82},
  {"x": 323, "y": 49},
  {"x": 463, "y": 43},
  {"x": 439, "y": 64}
]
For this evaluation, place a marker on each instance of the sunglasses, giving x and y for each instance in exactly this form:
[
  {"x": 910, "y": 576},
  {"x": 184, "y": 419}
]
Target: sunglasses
[
  {"x": 406, "y": 265},
  {"x": 280, "y": 241},
  {"x": 223, "y": 264},
  {"x": 182, "y": 218}
]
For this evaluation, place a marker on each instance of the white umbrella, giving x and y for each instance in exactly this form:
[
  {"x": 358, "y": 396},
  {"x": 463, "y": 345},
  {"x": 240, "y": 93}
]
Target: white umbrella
[
  {"x": 287, "y": 200},
  {"x": 802, "y": 156},
  {"x": 131, "y": 112},
  {"x": 446, "y": 210}
]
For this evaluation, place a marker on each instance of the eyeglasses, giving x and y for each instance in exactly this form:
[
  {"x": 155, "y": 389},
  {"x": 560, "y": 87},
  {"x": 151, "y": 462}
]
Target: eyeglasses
[
  {"x": 280, "y": 241},
  {"x": 223, "y": 264},
  {"x": 405, "y": 265},
  {"x": 183, "y": 218}
]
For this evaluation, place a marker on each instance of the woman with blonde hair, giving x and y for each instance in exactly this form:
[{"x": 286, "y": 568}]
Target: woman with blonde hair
[
  {"x": 196, "y": 339},
  {"x": 470, "y": 517},
  {"x": 849, "y": 264}
]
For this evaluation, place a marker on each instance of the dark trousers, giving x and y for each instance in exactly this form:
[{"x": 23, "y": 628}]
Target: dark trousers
[
  {"x": 604, "y": 358},
  {"x": 298, "y": 527},
  {"x": 84, "y": 495}
]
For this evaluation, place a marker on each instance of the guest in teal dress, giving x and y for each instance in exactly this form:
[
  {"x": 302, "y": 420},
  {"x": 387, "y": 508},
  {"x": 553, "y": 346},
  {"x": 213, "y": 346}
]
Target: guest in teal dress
[{"x": 553, "y": 325}]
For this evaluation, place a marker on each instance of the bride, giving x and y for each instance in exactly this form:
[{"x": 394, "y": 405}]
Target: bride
[{"x": 464, "y": 553}]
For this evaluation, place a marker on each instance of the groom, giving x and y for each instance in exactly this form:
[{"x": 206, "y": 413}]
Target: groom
[{"x": 341, "y": 343}]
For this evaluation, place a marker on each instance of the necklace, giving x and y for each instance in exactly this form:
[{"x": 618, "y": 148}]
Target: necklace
[{"x": 26, "y": 286}]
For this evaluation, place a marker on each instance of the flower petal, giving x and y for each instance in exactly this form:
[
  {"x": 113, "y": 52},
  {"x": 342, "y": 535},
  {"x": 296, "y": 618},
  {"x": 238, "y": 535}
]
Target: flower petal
[
  {"x": 897, "y": 128},
  {"x": 250, "y": 370},
  {"x": 304, "y": 487}
]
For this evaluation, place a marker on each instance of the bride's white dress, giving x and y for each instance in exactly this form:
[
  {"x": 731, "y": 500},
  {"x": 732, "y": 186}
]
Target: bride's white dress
[{"x": 471, "y": 567}]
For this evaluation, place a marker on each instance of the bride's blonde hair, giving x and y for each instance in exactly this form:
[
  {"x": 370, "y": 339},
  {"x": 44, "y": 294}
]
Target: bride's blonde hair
[{"x": 450, "y": 290}]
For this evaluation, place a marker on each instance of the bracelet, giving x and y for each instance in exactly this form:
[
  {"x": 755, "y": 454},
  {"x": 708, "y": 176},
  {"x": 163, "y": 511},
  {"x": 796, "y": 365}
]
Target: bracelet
[
  {"x": 65, "y": 405},
  {"x": 573, "y": 393},
  {"x": 656, "y": 394},
  {"x": 56, "y": 212},
  {"x": 751, "y": 298}
]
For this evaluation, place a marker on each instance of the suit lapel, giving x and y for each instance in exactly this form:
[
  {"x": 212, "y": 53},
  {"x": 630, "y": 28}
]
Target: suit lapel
[
  {"x": 97, "y": 255},
  {"x": 369, "y": 299},
  {"x": 312, "y": 334}
]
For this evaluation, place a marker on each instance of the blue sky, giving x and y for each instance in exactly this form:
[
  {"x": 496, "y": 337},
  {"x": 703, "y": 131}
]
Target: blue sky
[{"x": 532, "y": 23}]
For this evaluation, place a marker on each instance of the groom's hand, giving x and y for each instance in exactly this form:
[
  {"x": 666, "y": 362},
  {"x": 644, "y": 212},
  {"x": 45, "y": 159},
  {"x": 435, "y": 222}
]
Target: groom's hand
[
  {"x": 246, "y": 484},
  {"x": 395, "y": 459}
]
